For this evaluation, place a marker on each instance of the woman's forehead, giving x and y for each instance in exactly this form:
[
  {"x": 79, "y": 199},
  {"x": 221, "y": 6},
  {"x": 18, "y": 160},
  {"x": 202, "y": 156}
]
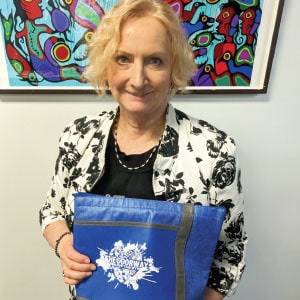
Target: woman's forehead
[{"x": 144, "y": 32}]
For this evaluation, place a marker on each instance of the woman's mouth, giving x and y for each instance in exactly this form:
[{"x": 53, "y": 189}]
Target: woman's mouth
[{"x": 139, "y": 94}]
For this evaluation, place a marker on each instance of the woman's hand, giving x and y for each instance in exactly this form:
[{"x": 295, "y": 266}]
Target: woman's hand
[
  {"x": 76, "y": 266},
  {"x": 211, "y": 294}
]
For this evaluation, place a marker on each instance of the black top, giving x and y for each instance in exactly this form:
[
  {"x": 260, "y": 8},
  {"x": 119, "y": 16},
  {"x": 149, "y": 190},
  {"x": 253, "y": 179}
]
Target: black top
[{"x": 119, "y": 181}]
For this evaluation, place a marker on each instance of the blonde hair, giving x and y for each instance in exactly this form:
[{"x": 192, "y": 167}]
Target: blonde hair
[{"x": 107, "y": 36}]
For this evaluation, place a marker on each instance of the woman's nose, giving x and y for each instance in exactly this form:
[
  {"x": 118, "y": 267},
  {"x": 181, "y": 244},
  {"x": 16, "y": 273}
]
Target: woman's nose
[{"x": 138, "y": 75}]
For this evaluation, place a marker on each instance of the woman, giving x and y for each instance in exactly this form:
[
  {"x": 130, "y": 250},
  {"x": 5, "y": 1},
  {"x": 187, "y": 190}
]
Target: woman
[{"x": 145, "y": 148}]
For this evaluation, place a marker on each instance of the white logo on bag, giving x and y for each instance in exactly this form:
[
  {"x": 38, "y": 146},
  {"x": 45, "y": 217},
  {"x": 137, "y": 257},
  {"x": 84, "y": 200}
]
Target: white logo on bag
[{"x": 127, "y": 264}]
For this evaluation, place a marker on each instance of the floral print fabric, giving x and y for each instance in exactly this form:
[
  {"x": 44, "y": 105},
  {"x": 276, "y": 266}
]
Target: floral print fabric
[{"x": 195, "y": 163}]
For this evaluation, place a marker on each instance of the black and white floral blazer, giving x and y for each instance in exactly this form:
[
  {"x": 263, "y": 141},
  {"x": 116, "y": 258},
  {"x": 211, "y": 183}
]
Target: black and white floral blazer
[{"x": 195, "y": 163}]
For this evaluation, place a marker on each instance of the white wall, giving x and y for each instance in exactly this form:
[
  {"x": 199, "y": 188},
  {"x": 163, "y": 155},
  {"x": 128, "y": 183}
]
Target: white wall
[{"x": 266, "y": 128}]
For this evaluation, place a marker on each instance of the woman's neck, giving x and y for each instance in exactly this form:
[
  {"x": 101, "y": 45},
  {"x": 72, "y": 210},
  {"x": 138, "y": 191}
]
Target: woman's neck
[{"x": 137, "y": 135}]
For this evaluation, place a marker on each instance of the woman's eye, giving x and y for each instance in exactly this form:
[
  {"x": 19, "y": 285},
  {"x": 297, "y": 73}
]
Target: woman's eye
[
  {"x": 122, "y": 60},
  {"x": 155, "y": 61}
]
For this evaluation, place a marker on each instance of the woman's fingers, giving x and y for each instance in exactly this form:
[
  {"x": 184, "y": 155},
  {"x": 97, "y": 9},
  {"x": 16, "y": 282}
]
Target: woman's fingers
[
  {"x": 74, "y": 276},
  {"x": 74, "y": 272},
  {"x": 76, "y": 266},
  {"x": 73, "y": 255}
]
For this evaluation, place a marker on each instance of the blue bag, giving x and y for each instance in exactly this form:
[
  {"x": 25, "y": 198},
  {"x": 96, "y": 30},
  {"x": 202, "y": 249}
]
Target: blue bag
[{"x": 145, "y": 249}]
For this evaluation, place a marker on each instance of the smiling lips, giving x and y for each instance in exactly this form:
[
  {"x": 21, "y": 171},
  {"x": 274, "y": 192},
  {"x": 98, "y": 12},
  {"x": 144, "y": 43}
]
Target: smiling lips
[{"x": 138, "y": 95}]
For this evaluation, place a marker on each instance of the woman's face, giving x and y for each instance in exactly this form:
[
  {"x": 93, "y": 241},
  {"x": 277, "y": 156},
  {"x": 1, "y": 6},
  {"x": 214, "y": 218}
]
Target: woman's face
[{"x": 140, "y": 75}]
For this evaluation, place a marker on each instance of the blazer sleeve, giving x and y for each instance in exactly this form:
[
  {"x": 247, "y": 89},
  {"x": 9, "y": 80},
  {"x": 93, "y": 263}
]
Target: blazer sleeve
[
  {"x": 226, "y": 190},
  {"x": 56, "y": 207}
]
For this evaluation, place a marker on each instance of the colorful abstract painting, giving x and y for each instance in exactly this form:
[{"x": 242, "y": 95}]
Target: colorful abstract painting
[{"x": 44, "y": 41}]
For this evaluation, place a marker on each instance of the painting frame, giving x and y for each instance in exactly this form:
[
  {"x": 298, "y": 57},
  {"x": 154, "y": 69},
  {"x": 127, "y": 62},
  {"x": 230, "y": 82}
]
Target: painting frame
[{"x": 264, "y": 54}]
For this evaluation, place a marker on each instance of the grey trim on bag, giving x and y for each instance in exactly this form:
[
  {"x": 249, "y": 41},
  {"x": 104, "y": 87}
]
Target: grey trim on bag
[
  {"x": 180, "y": 244},
  {"x": 130, "y": 224}
]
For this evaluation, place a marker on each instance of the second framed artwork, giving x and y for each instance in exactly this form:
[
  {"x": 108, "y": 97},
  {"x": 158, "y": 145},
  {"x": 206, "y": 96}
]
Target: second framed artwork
[{"x": 43, "y": 43}]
